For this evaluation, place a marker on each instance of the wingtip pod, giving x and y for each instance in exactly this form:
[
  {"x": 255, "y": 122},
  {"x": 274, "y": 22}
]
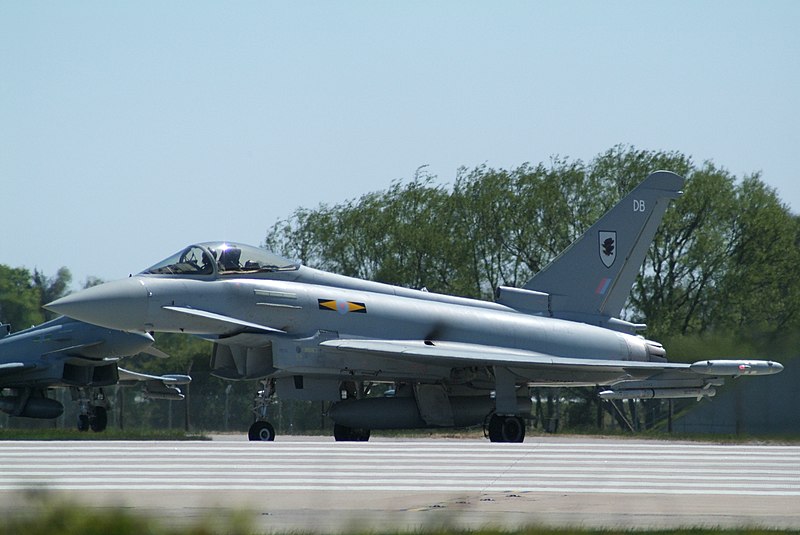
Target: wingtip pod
[
  {"x": 176, "y": 379},
  {"x": 736, "y": 367}
]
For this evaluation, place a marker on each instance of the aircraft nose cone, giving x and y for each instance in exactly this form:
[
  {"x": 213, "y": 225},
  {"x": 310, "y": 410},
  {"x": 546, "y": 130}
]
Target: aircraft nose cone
[{"x": 117, "y": 305}]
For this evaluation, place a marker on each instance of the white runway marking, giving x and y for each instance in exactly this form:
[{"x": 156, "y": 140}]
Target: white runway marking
[
  {"x": 569, "y": 467},
  {"x": 318, "y": 485}
]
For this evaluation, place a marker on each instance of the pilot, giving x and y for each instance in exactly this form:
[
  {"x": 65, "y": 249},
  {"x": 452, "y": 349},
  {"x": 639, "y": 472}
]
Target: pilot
[
  {"x": 229, "y": 259},
  {"x": 206, "y": 267}
]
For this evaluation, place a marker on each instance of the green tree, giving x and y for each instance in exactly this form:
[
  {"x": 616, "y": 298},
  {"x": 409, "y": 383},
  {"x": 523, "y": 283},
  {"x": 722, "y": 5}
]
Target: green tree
[
  {"x": 514, "y": 222},
  {"x": 20, "y": 299},
  {"x": 725, "y": 257},
  {"x": 725, "y": 260},
  {"x": 51, "y": 288},
  {"x": 760, "y": 287},
  {"x": 92, "y": 281},
  {"x": 677, "y": 288}
]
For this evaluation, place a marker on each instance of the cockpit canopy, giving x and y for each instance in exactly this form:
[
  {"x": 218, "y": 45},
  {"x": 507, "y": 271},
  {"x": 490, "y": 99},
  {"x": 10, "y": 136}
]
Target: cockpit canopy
[{"x": 221, "y": 258}]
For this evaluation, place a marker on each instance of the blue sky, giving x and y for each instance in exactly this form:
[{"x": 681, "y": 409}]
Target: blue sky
[{"x": 128, "y": 130}]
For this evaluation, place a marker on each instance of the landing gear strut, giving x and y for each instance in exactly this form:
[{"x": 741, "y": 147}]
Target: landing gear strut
[{"x": 261, "y": 428}]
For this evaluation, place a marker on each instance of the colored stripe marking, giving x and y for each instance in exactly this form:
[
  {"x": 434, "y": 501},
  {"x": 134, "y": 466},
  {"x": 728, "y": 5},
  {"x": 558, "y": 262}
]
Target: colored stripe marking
[
  {"x": 603, "y": 286},
  {"x": 342, "y": 307}
]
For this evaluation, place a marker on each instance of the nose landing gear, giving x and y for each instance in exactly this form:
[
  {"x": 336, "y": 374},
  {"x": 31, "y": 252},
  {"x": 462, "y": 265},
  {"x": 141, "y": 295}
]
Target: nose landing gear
[{"x": 261, "y": 429}]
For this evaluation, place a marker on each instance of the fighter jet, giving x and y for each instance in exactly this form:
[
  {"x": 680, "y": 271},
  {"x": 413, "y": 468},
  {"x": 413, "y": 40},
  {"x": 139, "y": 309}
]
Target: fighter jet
[
  {"x": 453, "y": 362},
  {"x": 83, "y": 357}
]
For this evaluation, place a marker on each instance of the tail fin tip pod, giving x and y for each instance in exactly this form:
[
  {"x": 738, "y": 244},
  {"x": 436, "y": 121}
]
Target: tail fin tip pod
[{"x": 591, "y": 279}]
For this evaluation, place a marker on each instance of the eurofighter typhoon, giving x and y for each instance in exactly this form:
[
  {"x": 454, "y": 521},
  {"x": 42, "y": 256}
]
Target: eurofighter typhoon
[
  {"x": 64, "y": 353},
  {"x": 454, "y": 362}
]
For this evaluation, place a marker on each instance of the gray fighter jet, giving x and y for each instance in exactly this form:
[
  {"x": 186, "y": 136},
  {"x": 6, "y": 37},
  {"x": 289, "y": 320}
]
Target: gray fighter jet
[
  {"x": 312, "y": 335},
  {"x": 83, "y": 357}
]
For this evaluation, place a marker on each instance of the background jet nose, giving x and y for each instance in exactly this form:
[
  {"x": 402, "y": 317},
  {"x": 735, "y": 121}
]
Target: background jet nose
[{"x": 117, "y": 305}]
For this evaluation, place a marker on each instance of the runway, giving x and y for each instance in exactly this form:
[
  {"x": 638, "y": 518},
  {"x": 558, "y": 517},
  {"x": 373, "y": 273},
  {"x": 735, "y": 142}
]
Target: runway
[{"x": 319, "y": 485}]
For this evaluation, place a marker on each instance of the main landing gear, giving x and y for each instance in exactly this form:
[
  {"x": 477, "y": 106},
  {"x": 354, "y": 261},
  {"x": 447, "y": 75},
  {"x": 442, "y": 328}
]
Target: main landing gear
[
  {"x": 261, "y": 428},
  {"x": 504, "y": 428},
  {"x": 93, "y": 409},
  {"x": 342, "y": 433}
]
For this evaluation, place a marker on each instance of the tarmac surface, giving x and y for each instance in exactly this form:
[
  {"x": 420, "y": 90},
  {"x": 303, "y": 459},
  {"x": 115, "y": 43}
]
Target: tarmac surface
[{"x": 315, "y": 484}]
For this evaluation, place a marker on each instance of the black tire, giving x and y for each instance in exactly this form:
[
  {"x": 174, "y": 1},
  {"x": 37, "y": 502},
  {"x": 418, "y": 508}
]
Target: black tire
[
  {"x": 513, "y": 429},
  {"x": 83, "y": 422},
  {"x": 495, "y": 428},
  {"x": 342, "y": 433},
  {"x": 98, "y": 421},
  {"x": 506, "y": 429},
  {"x": 261, "y": 431}
]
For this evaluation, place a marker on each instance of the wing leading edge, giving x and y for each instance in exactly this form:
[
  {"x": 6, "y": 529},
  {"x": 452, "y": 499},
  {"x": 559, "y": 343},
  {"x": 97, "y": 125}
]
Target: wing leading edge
[
  {"x": 465, "y": 354},
  {"x": 626, "y": 379}
]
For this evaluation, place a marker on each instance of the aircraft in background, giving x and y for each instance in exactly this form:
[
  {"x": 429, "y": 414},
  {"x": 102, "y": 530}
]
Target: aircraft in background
[
  {"x": 83, "y": 357},
  {"x": 454, "y": 362}
]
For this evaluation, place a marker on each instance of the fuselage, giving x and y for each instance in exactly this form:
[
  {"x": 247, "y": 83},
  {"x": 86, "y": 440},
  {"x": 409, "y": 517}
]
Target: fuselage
[
  {"x": 306, "y": 301},
  {"x": 242, "y": 296}
]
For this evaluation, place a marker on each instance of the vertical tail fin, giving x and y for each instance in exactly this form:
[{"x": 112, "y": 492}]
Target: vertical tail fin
[{"x": 591, "y": 279}]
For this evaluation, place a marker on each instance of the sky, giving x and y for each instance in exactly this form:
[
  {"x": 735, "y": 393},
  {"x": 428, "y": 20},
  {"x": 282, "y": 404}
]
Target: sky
[{"x": 131, "y": 129}]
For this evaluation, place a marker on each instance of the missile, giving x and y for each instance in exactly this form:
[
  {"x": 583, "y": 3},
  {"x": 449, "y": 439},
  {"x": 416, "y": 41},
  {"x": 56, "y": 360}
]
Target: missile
[
  {"x": 171, "y": 393},
  {"x": 658, "y": 393},
  {"x": 174, "y": 379},
  {"x": 736, "y": 367}
]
